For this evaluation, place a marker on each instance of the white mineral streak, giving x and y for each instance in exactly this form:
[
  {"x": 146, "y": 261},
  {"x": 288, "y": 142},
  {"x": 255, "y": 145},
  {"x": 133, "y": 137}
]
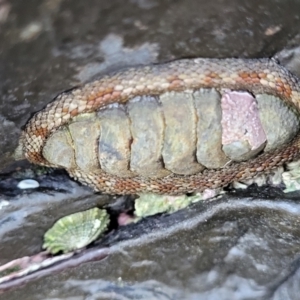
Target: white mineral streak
[{"x": 240, "y": 119}]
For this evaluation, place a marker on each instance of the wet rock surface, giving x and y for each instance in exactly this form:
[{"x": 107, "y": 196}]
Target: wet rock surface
[{"x": 242, "y": 246}]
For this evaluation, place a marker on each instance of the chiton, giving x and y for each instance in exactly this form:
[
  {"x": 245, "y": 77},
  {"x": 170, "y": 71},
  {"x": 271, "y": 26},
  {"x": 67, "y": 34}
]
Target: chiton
[{"x": 173, "y": 128}]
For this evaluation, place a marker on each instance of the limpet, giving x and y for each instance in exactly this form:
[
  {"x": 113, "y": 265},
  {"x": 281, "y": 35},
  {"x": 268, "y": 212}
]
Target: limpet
[{"x": 76, "y": 231}]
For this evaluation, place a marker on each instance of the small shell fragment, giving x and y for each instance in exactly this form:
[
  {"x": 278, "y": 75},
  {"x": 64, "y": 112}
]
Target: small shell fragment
[
  {"x": 28, "y": 184},
  {"x": 76, "y": 231},
  {"x": 291, "y": 178}
]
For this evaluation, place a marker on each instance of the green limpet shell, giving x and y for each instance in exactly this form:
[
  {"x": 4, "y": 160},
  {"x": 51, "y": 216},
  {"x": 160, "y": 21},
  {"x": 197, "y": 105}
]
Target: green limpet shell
[
  {"x": 76, "y": 231},
  {"x": 151, "y": 204}
]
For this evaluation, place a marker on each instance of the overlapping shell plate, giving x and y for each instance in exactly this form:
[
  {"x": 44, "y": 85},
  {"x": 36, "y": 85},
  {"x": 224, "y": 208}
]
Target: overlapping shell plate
[
  {"x": 76, "y": 231},
  {"x": 176, "y": 133}
]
